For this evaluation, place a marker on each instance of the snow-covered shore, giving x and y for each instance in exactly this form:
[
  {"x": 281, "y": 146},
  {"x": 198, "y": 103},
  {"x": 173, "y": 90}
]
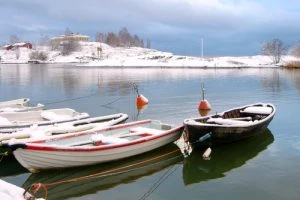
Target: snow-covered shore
[{"x": 88, "y": 56}]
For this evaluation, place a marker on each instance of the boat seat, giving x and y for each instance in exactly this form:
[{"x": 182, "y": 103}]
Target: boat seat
[
  {"x": 108, "y": 139},
  {"x": 51, "y": 116},
  {"x": 222, "y": 121},
  {"x": 258, "y": 110},
  {"x": 4, "y": 121},
  {"x": 146, "y": 130}
]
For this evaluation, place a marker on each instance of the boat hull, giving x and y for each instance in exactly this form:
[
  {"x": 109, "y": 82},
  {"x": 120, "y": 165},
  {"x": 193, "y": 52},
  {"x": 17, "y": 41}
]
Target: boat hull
[
  {"x": 223, "y": 134},
  {"x": 37, "y": 159}
]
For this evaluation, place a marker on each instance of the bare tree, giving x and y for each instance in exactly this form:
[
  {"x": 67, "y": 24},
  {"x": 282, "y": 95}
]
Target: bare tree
[
  {"x": 44, "y": 40},
  {"x": 14, "y": 39},
  {"x": 124, "y": 37},
  {"x": 38, "y": 55},
  {"x": 295, "y": 51},
  {"x": 100, "y": 37},
  {"x": 148, "y": 44},
  {"x": 112, "y": 39},
  {"x": 136, "y": 41},
  {"x": 69, "y": 46},
  {"x": 68, "y": 32},
  {"x": 275, "y": 49},
  {"x": 142, "y": 44}
]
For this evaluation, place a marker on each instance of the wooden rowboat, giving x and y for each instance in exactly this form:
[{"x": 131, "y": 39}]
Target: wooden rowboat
[
  {"x": 10, "y": 122},
  {"x": 104, "y": 145},
  {"x": 229, "y": 126}
]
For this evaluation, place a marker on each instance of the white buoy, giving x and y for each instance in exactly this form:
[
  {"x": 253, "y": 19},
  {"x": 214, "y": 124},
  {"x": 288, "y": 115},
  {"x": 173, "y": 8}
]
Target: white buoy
[{"x": 206, "y": 154}]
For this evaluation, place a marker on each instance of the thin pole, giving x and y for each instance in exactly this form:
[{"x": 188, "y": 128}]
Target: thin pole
[{"x": 202, "y": 47}]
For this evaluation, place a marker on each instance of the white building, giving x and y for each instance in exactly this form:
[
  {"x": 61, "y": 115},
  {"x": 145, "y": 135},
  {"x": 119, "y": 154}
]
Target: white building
[{"x": 74, "y": 37}]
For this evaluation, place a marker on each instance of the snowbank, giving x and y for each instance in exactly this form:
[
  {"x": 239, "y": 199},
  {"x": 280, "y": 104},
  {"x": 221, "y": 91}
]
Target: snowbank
[
  {"x": 88, "y": 56},
  {"x": 11, "y": 192}
]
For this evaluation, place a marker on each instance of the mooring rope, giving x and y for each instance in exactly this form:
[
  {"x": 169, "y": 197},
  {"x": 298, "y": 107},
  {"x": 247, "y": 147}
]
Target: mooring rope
[
  {"x": 36, "y": 186},
  {"x": 164, "y": 177},
  {"x": 72, "y": 99}
]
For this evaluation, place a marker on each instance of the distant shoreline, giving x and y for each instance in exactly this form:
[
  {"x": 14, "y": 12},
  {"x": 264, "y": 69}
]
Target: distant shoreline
[
  {"x": 137, "y": 57},
  {"x": 77, "y": 64}
]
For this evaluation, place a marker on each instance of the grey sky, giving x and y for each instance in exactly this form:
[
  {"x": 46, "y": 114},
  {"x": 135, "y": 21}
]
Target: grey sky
[{"x": 229, "y": 27}]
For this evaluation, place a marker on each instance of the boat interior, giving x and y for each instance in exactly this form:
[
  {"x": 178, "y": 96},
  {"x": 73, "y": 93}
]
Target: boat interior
[
  {"x": 108, "y": 137},
  {"x": 239, "y": 116},
  {"x": 38, "y": 116}
]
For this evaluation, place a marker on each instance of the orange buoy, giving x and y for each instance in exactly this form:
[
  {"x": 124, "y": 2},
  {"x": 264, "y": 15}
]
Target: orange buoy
[
  {"x": 141, "y": 108},
  {"x": 141, "y": 100},
  {"x": 203, "y": 112},
  {"x": 204, "y": 105}
]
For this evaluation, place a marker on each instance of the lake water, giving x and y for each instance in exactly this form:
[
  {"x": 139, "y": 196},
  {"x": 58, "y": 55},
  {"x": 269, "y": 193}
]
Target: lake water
[{"x": 263, "y": 167}]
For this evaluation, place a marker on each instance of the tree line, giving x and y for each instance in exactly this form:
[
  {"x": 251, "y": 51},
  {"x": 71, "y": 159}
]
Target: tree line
[{"x": 122, "y": 39}]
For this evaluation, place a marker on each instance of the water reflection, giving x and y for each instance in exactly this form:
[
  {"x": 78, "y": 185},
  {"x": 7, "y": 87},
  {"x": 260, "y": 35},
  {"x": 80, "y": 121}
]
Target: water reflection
[
  {"x": 224, "y": 158},
  {"x": 166, "y": 157},
  {"x": 9, "y": 166},
  {"x": 71, "y": 79},
  {"x": 294, "y": 75}
]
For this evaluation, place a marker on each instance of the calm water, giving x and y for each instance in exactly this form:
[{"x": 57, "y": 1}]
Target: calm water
[{"x": 263, "y": 167}]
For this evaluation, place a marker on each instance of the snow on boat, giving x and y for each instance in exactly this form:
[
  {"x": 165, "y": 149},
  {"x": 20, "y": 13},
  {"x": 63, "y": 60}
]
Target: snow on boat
[
  {"x": 10, "y": 122},
  {"x": 104, "y": 145},
  {"x": 42, "y": 132},
  {"x": 23, "y": 102},
  {"x": 21, "y": 108},
  {"x": 231, "y": 125},
  {"x": 19, "y": 105}
]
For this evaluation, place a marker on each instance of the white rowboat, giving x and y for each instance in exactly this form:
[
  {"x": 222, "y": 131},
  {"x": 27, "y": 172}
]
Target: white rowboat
[
  {"x": 23, "y": 101},
  {"x": 10, "y": 122},
  {"x": 44, "y": 132},
  {"x": 19, "y": 105},
  {"x": 104, "y": 145}
]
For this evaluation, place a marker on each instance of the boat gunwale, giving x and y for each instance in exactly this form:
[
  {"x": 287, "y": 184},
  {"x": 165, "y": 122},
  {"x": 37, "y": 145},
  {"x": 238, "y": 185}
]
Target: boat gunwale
[
  {"x": 42, "y": 147},
  {"x": 193, "y": 122}
]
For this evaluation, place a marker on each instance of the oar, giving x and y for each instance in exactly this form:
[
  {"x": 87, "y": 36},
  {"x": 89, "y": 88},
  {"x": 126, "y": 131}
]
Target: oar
[{"x": 204, "y": 137}]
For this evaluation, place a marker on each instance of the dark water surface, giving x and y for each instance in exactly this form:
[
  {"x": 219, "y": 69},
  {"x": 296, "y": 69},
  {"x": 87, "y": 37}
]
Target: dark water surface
[{"x": 263, "y": 167}]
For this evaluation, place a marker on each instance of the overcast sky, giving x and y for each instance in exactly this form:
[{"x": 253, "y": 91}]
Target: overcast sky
[{"x": 228, "y": 27}]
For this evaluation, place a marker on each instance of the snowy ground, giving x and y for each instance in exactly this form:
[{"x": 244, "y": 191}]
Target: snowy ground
[{"x": 137, "y": 57}]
